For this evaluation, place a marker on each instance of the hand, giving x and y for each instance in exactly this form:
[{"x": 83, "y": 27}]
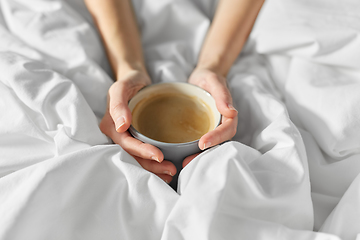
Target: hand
[
  {"x": 117, "y": 120},
  {"x": 215, "y": 84}
]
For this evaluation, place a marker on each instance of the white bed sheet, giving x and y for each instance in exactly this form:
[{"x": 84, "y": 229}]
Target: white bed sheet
[{"x": 291, "y": 171}]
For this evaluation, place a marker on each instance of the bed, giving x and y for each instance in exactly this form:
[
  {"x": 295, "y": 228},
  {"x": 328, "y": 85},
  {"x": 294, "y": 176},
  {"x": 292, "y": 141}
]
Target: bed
[{"x": 290, "y": 172}]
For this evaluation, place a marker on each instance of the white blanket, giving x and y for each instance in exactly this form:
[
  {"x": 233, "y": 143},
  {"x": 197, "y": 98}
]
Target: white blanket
[{"x": 291, "y": 171}]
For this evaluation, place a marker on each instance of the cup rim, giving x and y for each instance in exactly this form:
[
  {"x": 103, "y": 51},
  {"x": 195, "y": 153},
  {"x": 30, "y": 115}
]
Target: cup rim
[{"x": 132, "y": 128}]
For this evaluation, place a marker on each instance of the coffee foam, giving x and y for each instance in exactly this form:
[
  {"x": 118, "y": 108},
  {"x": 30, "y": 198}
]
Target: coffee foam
[{"x": 172, "y": 117}]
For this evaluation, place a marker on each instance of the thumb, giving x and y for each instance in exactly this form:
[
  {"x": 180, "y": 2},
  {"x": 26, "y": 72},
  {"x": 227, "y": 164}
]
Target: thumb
[
  {"x": 223, "y": 99},
  {"x": 118, "y": 106}
]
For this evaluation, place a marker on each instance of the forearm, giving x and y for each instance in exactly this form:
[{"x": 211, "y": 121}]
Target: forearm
[
  {"x": 116, "y": 22},
  {"x": 228, "y": 33}
]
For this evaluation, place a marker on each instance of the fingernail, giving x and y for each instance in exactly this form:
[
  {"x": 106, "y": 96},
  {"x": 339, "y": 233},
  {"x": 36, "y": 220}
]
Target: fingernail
[
  {"x": 168, "y": 173},
  {"x": 119, "y": 123},
  {"x": 231, "y": 107},
  {"x": 155, "y": 158},
  {"x": 167, "y": 181},
  {"x": 206, "y": 145}
]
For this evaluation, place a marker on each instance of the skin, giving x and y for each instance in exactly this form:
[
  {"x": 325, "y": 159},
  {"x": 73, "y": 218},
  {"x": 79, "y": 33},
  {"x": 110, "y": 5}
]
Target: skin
[{"x": 116, "y": 22}]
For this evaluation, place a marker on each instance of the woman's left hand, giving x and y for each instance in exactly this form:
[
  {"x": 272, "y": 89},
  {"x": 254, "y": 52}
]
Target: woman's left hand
[{"x": 215, "y": 84}]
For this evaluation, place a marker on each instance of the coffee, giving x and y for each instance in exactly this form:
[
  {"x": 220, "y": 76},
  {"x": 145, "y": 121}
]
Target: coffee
[{"x": 172, "y": 117}]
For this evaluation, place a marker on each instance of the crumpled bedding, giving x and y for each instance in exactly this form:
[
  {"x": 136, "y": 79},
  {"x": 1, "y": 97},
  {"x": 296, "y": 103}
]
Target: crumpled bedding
[{"x": 291, "y": 171}]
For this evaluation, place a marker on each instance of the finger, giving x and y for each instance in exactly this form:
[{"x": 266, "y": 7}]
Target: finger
[
  {"x": 106, "y": 124},
  {"x": 164, "y": 168},
  {"x": 118, "y": 106},
  {"x": 137, "y": 148},
  {"x": 188, "y": 159},
  {"x": 165, "y": 177},
  {"x": 225, "y": 131},
  {"x": 128, "y": 143}
]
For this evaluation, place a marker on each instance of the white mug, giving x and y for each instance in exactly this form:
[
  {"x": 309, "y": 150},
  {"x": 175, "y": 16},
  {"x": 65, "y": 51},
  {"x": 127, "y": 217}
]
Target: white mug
[{"x": 174, "y": 152}]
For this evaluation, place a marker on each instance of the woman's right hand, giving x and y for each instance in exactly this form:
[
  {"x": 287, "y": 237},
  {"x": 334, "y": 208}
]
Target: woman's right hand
[{"x": 117, "y": 120}]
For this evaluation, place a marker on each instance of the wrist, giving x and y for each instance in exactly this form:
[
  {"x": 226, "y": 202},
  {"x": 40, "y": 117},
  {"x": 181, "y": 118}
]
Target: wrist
[
  {"x": 214, "y": 63},
  {"x": 125, "y": 67}
]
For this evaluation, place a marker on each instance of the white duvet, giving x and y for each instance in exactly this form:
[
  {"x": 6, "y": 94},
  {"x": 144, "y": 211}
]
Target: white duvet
[{"x": 291, "y": 171}]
